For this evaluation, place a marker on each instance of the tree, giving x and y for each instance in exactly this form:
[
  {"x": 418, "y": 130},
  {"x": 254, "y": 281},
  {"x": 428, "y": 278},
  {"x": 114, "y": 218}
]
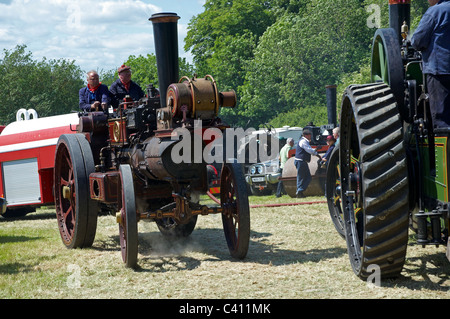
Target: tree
[
  {"x": 299, "y": 55},
  {"x": 144, "y": 70},
  {"x": 216, "y": 32},
  {"x": 48, "y": 86}
]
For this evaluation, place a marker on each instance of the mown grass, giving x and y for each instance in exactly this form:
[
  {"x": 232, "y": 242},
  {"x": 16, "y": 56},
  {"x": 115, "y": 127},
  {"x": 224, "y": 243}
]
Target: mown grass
[{"x": 294, "y": 253}]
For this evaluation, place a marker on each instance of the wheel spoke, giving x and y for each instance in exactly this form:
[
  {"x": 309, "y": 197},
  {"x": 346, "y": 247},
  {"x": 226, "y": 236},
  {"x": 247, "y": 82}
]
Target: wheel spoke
[{"x": 236, "y": 215}]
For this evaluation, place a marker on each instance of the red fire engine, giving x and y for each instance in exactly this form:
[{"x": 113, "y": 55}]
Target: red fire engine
[{"x": 27, "y": 159}]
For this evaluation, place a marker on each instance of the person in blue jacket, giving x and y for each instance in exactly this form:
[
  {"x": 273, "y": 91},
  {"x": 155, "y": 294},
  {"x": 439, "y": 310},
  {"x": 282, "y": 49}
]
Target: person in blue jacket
[
  {"x": 94, "y": 96},
  {"x": 432, "y": 38},
  {"x": 124, "y": 86}
]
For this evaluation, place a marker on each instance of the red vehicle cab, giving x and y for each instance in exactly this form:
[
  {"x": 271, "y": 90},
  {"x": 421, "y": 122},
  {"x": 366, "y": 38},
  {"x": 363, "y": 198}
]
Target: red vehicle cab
[{"x": 27, "y": 159}]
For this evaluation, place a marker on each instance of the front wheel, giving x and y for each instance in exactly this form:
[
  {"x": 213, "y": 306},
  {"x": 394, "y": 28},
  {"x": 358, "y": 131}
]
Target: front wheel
[
  {"x": 128, "y": 228},
  {"x": 235, "y": 209}
]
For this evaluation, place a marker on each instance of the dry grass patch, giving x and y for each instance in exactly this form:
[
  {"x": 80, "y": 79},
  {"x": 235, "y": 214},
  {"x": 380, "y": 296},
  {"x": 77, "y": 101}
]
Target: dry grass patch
[{"x": 294, "y": 253}]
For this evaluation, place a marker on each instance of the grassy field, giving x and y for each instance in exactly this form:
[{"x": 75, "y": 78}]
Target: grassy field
[{"x": 294, "y": 253}]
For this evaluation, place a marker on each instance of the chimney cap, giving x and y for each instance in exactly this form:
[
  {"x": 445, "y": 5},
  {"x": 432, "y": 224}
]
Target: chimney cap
[{"x": 164, "y": 17}]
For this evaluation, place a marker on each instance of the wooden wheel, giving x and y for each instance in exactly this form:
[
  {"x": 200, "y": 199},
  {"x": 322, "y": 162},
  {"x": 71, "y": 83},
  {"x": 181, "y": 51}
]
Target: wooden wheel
[
  {"x": 128, "y": 228},
  {"x": 236, "y": 210},
  {"x": 75, "y": 211}
]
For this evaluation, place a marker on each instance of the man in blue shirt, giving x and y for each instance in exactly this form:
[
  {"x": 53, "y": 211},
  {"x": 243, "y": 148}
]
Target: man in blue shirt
[
  {"x": 94, "y": 96},
  {"x": 302, "y": 158},
  {"x": 123, "y": 86},
  {"x": 432, "y": 37}
]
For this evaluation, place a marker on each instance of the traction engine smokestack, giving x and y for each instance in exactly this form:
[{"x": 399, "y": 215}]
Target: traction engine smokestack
[
  {"x": 331, "y": 104},
  {"x": 166, "y": 50},
  {"x": 399, "y": 12}
]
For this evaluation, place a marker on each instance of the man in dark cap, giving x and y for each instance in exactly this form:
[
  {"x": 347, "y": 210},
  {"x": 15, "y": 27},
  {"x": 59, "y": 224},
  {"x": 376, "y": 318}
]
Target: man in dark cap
[
  {"x": 302, "y": 158},
  {"x": 123, "y": 86},
  {"x": 432, "y": 37}
]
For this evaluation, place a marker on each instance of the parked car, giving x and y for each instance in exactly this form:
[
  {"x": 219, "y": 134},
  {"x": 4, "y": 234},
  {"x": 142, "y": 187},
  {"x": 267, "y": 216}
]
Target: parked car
[{"x": 263, "y": 177}]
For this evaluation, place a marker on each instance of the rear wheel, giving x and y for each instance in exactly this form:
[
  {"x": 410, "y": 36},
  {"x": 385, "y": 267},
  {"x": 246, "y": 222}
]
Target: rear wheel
[
  {"x": 374, "y": 180},
  {"x": 76, "y": 212}
]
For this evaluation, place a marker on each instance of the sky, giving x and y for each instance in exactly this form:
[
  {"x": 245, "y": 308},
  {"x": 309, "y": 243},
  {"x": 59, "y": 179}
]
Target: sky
[{"x": 97, "y": 34}]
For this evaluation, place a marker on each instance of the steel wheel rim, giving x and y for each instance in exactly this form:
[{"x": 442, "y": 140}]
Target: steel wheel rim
[
  {"x": 230, "y": 214},
  {"x": 128, "y": 231},
  {"x": 235, "y": 210},
  {"x": 333, "y": 190},
  {"x": 66, "y": 207}
]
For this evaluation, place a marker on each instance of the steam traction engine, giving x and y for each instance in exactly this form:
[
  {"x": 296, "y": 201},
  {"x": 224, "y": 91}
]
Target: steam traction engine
[
  {"x": 390, "y": 171},
  {"x": 123, "y": 161}
]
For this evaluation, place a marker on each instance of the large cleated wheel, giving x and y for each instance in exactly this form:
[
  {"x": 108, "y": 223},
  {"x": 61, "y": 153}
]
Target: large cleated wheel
[
  {"x": 374, "y": 180},
  {"x": 333, "y": 192},
  {"x": 235, "y": 209},
  {"x": 128, "y": 228},
  {"x": 76, "y": 212}
]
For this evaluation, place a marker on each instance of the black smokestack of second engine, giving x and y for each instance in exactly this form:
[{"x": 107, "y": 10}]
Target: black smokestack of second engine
[
  {"x": 166, "y": 50},
  {"x": 331, "y": 104},
  {"x": 399, "y": 12}
]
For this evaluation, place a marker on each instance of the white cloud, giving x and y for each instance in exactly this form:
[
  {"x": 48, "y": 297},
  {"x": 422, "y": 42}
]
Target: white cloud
[{"x": 97, "y": 34}]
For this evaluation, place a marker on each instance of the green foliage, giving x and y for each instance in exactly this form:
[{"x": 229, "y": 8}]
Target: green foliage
[
  {"x": 280, "y": 67},
  {"x": 278, "y": 55},
  {"x": 301, "y": 117},
  {"x": 299, "y": 55},
  {"x": 216, "y": 31},
  {"x": 144, "y": 70},
  {"x": 48, "y": 86}
]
